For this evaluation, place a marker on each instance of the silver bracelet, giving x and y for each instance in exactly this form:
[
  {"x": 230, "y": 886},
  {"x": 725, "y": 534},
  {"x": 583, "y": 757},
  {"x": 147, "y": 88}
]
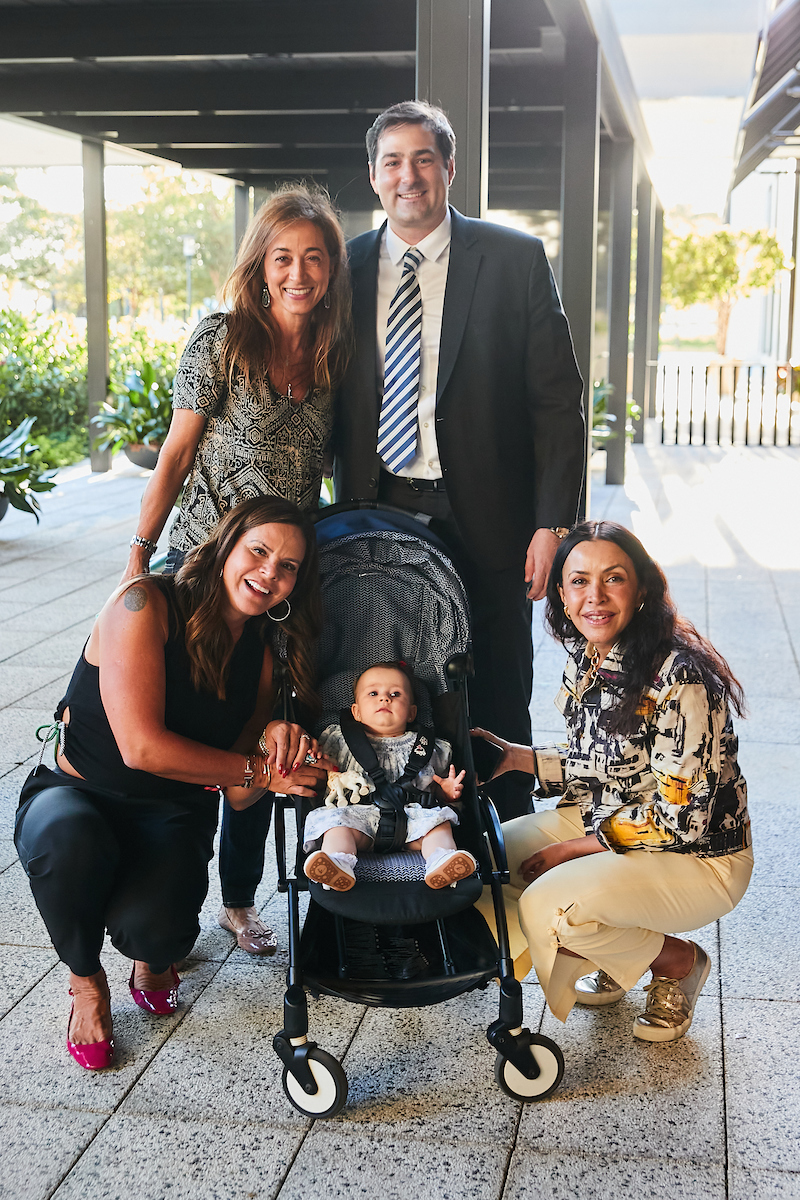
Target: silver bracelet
[{"x": 144, "y": 542}]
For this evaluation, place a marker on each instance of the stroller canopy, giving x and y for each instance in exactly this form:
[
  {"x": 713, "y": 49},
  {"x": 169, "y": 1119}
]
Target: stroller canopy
[{"x": 389, "y": 592}]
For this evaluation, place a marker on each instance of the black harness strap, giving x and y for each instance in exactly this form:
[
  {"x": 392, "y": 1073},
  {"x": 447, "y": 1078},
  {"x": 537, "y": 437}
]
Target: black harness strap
[{"x": 390, "y": 798}]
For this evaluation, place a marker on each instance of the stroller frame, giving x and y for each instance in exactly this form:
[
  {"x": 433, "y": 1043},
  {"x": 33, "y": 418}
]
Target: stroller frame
[{"x": 528, "y": 1066}]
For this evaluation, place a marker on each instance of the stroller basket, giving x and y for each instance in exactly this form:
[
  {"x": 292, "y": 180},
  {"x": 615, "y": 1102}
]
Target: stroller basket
[{"x": 391, "y": 592}]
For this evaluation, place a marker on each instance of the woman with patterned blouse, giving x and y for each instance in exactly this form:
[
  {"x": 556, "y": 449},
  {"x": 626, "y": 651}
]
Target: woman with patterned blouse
[
  {"x": 252, "y": 416},
  {"x": 651, "y": 835}
]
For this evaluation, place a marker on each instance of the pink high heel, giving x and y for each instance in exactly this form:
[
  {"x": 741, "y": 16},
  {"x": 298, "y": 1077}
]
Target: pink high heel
[
  {"x": 160, "y": 1002},
  {"x": 92, "y": 1056}
]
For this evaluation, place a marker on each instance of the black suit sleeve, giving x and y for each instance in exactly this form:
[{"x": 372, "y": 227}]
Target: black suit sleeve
[{"x": 556, "y": 410}]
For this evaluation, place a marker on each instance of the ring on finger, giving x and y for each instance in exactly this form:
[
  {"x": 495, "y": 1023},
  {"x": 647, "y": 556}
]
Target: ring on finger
[{"x": 310, "y": 759}]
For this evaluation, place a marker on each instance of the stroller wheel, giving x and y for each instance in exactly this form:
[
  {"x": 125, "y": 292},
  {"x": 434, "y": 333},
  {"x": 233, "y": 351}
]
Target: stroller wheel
[
  {"x": 331, "y": 1094},
  {"x": 550, "y": 1061}
]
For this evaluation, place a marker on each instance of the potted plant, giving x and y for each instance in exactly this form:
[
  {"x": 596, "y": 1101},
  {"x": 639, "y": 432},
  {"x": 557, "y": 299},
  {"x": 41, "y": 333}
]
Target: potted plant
[
  {"x": 136, "y": 416},
  {"x": 21, "y": 479},
  {"x": 602, "y": 431}
]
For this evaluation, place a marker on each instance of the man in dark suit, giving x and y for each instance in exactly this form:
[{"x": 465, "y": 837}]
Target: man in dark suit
[{"x": 468, "y": 331}]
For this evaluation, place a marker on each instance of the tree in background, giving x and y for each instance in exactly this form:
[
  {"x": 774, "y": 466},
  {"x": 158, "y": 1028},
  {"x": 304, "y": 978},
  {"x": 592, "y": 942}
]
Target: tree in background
[
  {"x": 145, "y": 241},
  {"x": 719, "y": 268},
  {"x": 37, "y": 247}
]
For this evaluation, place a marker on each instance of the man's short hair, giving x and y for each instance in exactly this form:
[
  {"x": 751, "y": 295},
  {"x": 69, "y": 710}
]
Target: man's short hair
[{"x": 413, "y": 112}]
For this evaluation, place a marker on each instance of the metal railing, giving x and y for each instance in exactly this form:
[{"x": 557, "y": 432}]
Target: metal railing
[{"x": 738, "y": 404}]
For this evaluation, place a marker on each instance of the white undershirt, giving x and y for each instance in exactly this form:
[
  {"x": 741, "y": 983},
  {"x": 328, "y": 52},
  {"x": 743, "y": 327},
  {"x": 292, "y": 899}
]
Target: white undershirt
[{"x": 432, "y": 276}]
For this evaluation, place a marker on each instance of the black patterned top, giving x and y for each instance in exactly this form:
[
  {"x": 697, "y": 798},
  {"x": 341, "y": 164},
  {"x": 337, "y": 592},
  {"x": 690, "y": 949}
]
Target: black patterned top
[
  {"x": 672, "y": 784},
  {"x": 255, "y": 442}
]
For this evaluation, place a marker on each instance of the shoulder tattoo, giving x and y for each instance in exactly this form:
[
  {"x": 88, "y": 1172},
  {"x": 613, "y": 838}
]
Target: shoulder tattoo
[{"x": 135, "y": 599}]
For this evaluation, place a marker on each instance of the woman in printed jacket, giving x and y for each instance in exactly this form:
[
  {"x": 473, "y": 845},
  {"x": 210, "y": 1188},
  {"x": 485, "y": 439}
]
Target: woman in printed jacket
[{"x": 651, "y": 835}]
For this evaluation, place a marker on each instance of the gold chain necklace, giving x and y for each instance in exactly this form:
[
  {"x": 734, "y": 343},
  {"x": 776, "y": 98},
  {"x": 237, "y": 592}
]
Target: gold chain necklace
[{"x": 590, "y": 678}]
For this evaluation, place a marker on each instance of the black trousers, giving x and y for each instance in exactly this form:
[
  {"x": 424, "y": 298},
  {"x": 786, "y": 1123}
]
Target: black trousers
[
  {"x": 99, "y": 860},
  {"x": 500, "y": 693},
  {"x": 244, "y": 831}
]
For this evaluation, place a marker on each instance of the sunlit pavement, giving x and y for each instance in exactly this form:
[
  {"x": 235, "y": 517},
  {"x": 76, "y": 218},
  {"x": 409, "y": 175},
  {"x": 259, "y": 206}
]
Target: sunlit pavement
[{"x": 193, "y": 1107}]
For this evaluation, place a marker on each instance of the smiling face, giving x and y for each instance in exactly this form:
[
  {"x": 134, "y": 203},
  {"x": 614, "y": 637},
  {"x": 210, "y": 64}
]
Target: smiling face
[
  {"x": 261, "y": 570},
  {"x": 384, "y": 702},
  {"x": 412, "y": 180},
  {"x": 601, "y": 592},
  {"x": 297, "y": 271}
]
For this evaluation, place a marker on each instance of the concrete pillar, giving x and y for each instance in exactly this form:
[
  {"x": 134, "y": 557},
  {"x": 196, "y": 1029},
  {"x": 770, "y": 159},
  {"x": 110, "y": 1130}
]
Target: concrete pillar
[
  {"x": 580, "y": 181},
  {"x": 241, "y": 213},
  {"x": 453, "y": 72},
  {"x": 619, "y": 298},
  {"x": 641, "y": 334},
  {"x": 655, "y": 306},
  {"x": 94, "y": 233}
]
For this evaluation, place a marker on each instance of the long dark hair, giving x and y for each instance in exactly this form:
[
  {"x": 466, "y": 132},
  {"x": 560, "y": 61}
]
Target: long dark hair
[
  {"x": 200, "y": 594},
  {"x": 251, "y": 341},
  {"x": 653, "y": 632}
]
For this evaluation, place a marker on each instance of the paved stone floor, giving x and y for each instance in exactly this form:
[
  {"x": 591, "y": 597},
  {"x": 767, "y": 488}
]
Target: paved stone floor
[{"x": 193, "y": 1108}]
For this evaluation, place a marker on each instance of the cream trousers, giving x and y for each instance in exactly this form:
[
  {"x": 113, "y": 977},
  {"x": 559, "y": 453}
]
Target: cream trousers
[{"x": 611, "y": 909}]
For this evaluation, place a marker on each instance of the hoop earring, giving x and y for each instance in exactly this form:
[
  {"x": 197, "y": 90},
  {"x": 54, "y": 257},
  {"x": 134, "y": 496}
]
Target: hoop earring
[
  {"x": 326, "y": 300},
  {"x": 566, "y": 613},
  {"x": 286, "y": 615},
  {"x": 641, "y": 606},
  {"x": 266, "y": 299}
]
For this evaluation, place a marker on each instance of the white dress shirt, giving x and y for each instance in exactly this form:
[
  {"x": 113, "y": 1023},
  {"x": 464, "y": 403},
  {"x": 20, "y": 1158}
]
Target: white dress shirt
[{"x": 432, "y": 277}]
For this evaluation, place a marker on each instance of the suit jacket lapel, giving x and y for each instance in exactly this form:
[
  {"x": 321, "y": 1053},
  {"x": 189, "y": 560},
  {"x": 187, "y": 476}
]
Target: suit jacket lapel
[
  {"x": 462, "y": 275},
  {"x": 364, "y": 276}
]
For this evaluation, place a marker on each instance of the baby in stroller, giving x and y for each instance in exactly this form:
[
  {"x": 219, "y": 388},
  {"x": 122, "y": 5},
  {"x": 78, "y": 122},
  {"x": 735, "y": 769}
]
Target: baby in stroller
[{"x": 383, "y": 708}]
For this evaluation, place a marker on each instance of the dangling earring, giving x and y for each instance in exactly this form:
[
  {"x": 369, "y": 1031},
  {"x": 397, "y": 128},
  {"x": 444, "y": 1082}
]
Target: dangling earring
[
  {"x": 266, "y": 299},
  {"x": 641, "y": 606},
  {"x": 326, "y": 300},
  {"x": 278, "y": 620}
]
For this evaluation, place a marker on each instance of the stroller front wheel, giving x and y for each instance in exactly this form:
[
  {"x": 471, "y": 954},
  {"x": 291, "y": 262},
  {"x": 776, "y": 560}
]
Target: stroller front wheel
[
  {"x": 550, "y": 1062},
  {"x": 331, "y": 1094}
]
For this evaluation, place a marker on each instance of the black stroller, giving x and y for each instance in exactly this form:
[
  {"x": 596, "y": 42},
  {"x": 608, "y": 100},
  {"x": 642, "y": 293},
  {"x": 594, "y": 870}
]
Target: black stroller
[{"x": 391, "y": 592}]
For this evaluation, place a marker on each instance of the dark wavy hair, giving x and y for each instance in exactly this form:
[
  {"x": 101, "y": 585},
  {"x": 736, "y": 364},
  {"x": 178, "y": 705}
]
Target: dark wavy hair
[
  {"x": 654, "y": 631},
  {"x": 200, "y": 595}
]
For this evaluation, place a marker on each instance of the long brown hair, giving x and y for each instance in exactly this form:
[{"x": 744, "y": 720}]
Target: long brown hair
[
  {"x": 653, "y": 632},
  {"x": 251, "y": 342},
  {"x": 200, "y": 595}
]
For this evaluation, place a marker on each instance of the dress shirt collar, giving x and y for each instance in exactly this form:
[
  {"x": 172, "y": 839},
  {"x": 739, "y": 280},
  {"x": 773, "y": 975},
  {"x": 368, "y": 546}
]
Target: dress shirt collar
[{"x": 430, "y": 247}]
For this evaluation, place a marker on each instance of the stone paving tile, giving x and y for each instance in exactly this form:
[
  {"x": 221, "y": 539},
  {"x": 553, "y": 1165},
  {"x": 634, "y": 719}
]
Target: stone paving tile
[
  {"x": 750, "y": 936},
  {"x": 12, "y": 644},
  {"x": 223, "y": 1055},
  {"x": 34, "y": 1033},
  {"x": 771, "y": 773},
  {"x": 612, "y": 1094},
  {"x": 47, "y": 696},
  {"x": 565, "y": 1176},
  {"x": 8, "y": 853},
  {"x": 763, "y": 1185},
  {"x": 60, "y": 651},
  {"x": 38, "y": 1148},
  {"x": 336, "y": 1161},
  {"x": 776, "y": 841},
  {"x": 18, "y": 734},
  {"x": 19, "y": 683},
  {"x": 762, "y": 1089},
  {"x": 22, "y": 925},
  {"x": 21, "y": 968},
  {"x": 429, "y": 1073},
  {"x": 194, "y": 1161}
]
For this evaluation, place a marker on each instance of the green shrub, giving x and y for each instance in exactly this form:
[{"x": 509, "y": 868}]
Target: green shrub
[{"x": 42, "y": 375}]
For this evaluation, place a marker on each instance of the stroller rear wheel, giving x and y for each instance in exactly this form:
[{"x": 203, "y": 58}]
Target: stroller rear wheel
[
  {"x": 550, "y": 1062},
  {"x": 331, "y": 1094}
]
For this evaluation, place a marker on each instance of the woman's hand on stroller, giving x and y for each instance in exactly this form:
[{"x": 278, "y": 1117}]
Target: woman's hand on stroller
[
  {"x": 452, "y": 785},
  {"x": 514, "y": 757},
  {"x": 288, "y": 748}
]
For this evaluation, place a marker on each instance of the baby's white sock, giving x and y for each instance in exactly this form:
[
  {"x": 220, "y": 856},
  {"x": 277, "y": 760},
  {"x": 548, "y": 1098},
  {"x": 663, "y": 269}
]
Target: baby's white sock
[
  {"x": 343, "y": 860},
  {"x": 439, "y": 855}
]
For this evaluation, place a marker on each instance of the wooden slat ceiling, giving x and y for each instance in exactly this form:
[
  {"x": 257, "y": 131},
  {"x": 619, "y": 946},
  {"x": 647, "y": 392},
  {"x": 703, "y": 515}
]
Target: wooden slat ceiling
[
  {"x": 772, "y": 114},
  {"x": 262, "y": 91}
]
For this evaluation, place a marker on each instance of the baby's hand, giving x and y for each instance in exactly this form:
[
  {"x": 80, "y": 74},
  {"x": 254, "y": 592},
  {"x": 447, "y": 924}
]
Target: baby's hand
[{"x": 452, "y": 785}]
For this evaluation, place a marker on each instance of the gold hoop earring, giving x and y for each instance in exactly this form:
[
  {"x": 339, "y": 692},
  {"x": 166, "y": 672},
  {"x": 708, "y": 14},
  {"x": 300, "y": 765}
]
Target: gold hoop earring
[{"x": 566, "y": 613}]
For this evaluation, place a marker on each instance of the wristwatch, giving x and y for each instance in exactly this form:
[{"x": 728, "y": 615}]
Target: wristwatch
[
  {"x": 144, "y": 542},
  {"x": 560, "y": 531}
]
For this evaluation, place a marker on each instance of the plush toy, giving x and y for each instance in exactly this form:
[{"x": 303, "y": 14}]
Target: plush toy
[{"x": 340, "y": 783}]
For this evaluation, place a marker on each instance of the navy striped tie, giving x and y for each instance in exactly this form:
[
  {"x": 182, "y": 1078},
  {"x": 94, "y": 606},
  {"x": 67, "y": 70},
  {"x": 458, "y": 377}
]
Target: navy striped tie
[{"x": 397, "y": 428}]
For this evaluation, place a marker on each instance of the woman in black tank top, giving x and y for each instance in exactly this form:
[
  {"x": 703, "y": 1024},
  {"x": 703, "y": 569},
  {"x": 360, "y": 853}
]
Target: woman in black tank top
[{"x": 165, "y": 709}]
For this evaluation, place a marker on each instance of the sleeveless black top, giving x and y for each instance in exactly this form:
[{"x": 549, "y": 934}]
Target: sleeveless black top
[{"x": 91, "y": 747}]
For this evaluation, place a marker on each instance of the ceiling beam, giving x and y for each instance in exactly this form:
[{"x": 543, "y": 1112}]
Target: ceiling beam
[{"x": 248, "y": 27}]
